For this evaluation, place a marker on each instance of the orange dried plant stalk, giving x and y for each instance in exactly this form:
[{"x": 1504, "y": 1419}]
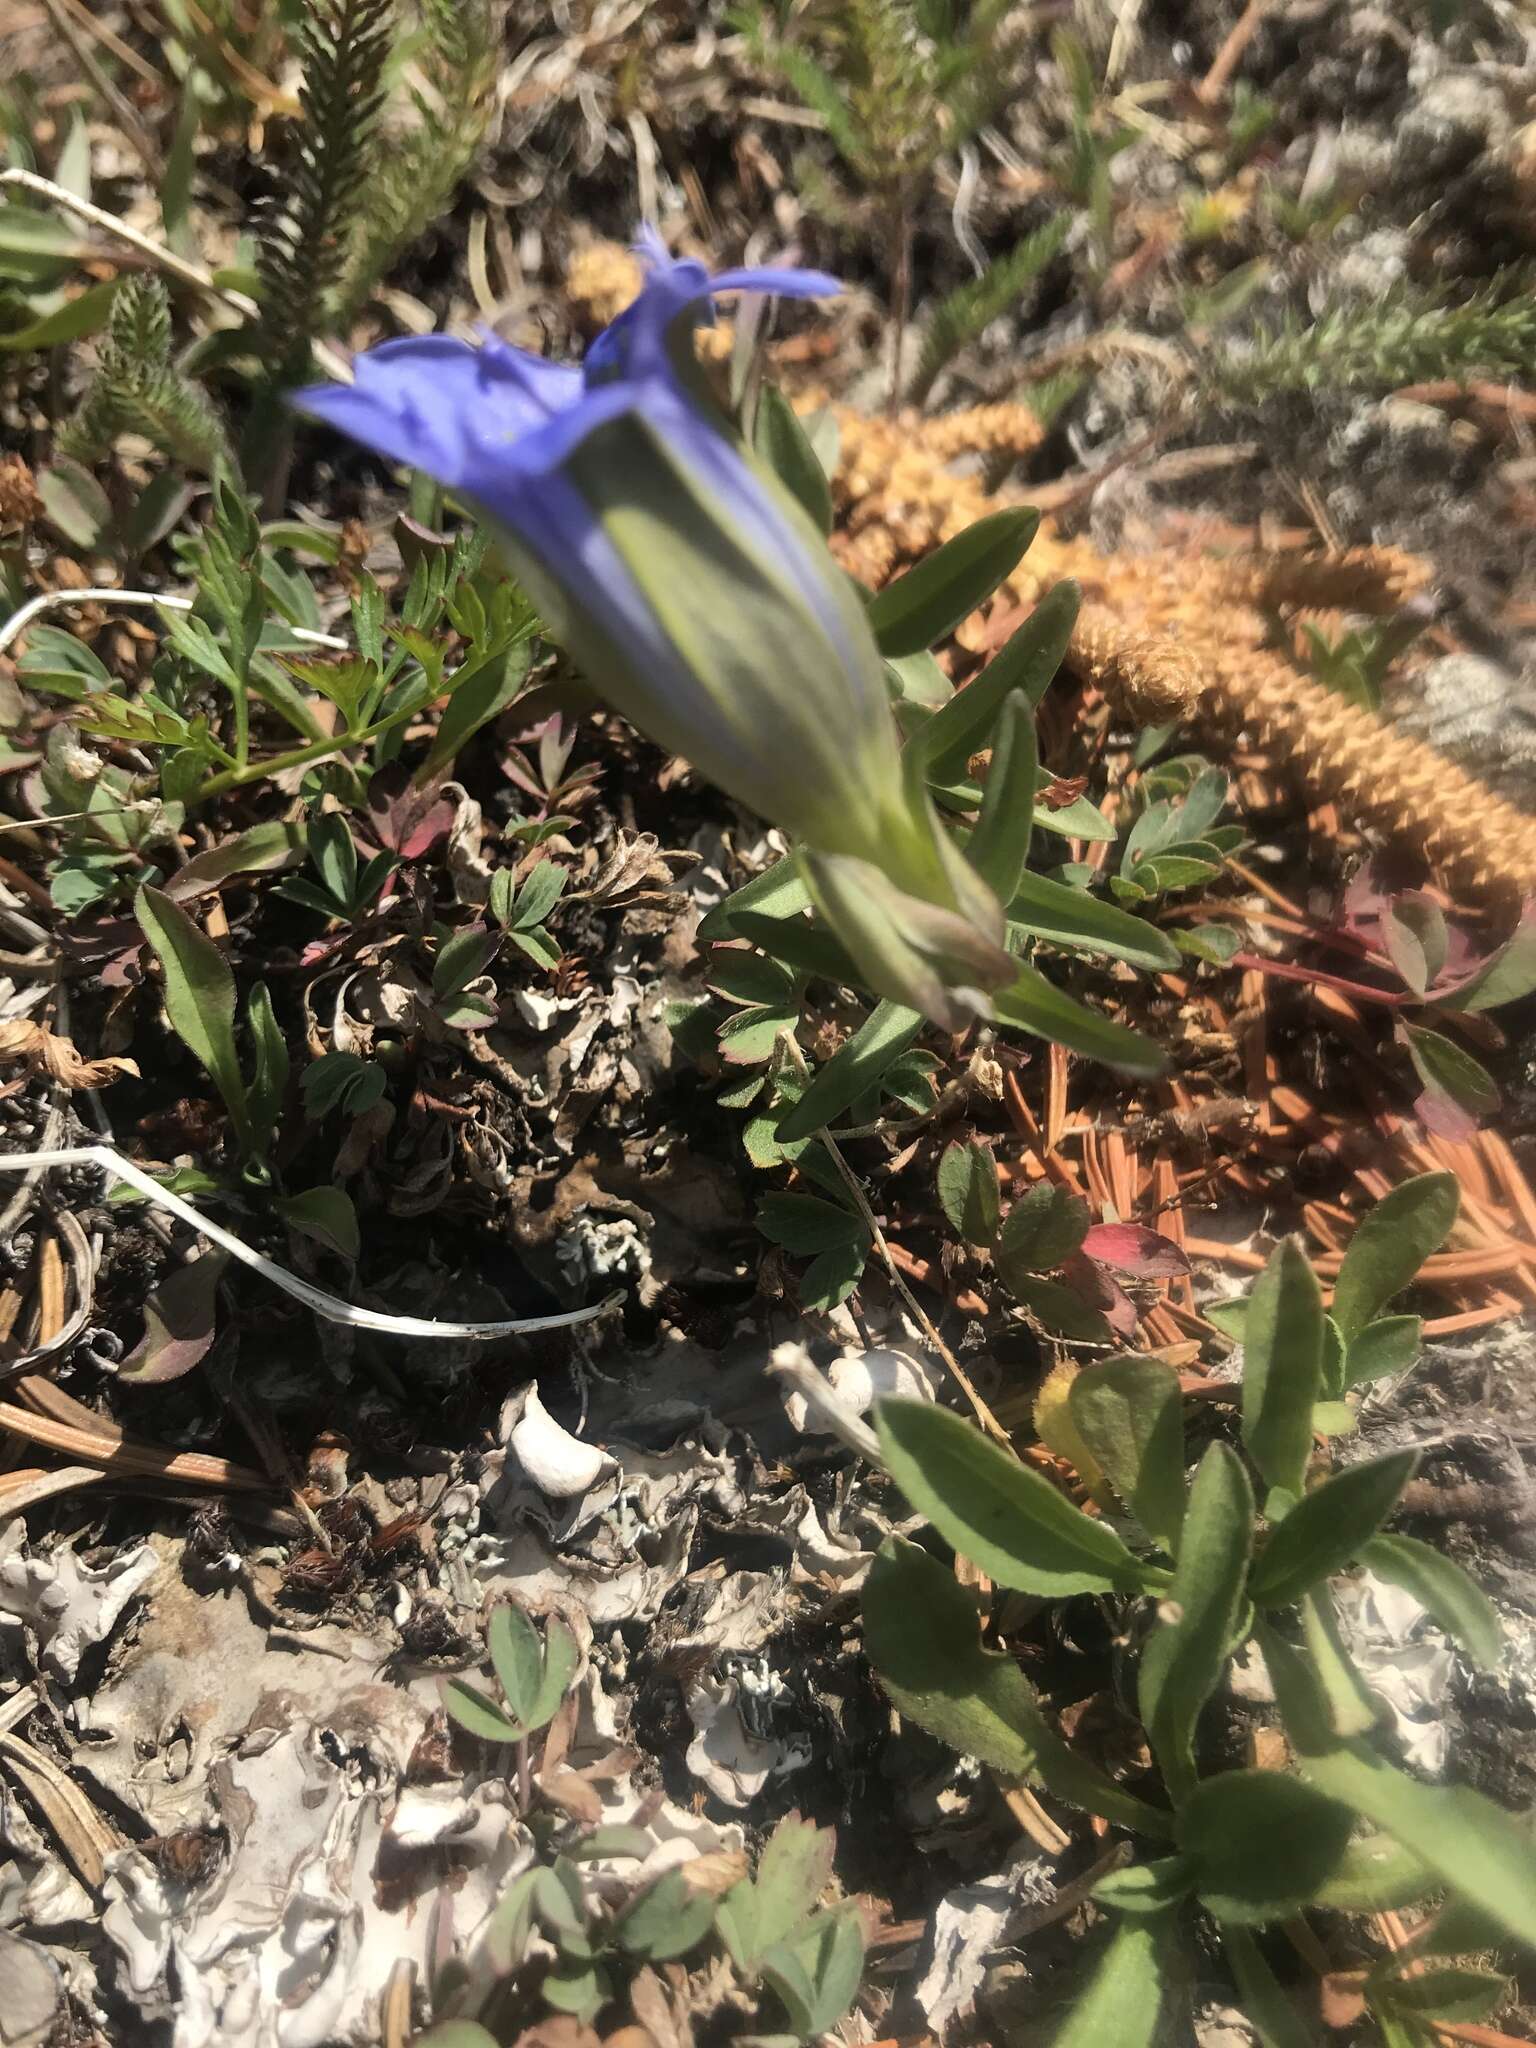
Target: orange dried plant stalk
[{"x": 1173, "y": 634}]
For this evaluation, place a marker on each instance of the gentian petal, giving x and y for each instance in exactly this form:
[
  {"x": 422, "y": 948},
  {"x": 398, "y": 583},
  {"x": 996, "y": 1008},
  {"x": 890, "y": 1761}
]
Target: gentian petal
[
  {"x": 777, "y": 283},
  {"x": 432, "y": 401}
]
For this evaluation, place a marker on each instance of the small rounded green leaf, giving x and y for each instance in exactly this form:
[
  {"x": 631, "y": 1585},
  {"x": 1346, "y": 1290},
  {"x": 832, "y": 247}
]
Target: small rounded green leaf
[
  {"x": 967, "y": 1183},
  {"x": 1042, "y": 1231}
]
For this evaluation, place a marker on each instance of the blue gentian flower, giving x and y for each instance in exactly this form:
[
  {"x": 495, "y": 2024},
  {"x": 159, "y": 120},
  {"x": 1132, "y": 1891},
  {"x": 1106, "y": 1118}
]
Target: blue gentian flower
[{"x": 693, "y": 592}]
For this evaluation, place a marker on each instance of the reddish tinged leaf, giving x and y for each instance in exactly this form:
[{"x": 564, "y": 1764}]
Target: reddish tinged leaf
[
  {"x": 1102, "y": 1291},
  {"x": 1132, "y": 1248},
  {"x": 179, "y": 1321},
  {"x": 1437, "y": 1112},
  {"x": 407, "y": 821}
]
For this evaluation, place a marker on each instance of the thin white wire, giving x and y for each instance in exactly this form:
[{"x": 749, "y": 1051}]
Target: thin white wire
[
  {"x": 19, "y": 621},
  {"x": 331, "y": 1306}
]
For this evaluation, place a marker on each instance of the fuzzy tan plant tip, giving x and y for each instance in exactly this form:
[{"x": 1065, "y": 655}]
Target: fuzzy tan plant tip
[
  {"x": 602, "y": 280},
  {"x": 21, "y": 505}
]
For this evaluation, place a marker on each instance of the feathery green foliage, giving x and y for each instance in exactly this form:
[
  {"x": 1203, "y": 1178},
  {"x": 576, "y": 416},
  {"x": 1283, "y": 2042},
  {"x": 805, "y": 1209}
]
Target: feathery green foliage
[
  {"x": 898, "y": 83},
  {"x": 960, "y": 317},
  {"x": 416, "y": 174},
  {"x": 137, "y": 389},
  {"x": 305, "y": 240},
  {"x": 1406, "y": 339}
]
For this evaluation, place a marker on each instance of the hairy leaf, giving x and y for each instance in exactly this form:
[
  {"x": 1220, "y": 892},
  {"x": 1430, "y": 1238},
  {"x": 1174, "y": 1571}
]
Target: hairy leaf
[
  {"x": 1282, "y": 1367},
  {"x": 1129, "y": 1412},
  {"x": 1328, "y": 1527},
  {"x": 1183, "y": 1661},
  {"x": 1456, "y": 1603},
  {"x": 968, "y": 1190},
  {"x": 921, "y": 1634},
  {"x": 1389, "y": 1247},
  {"x": 1261, "y": 1843},
  {"x": 997, "y": 1512}
]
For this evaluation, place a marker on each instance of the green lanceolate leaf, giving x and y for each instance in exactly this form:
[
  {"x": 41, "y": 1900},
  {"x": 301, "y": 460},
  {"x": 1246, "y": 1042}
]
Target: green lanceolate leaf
[
  {"x": 921, "y": 1634},
  {"x": 1353, "y": 1708},
  {"x": 1122, "y": 2002},
  {"x": 927, "y": 604},
  {"x": 1261, "y": 1843},
  {"x": 1391, "y": 1244},
  {"x": 997, "y": 1512},
  {"x": 1048, "y": 909},
  {"x": 1265, "y": 2006},
  {"x": 269, "y": 1073},
  {"x": 778, "y": 892},
  {"x": 1043, "y": 1229},
  {"x": 1455, "y": 1602},
  {"x": 199, "y": 998},
  {"x": 1130, "y": 1413},
  {"x": 968, "y": 1191},
  {"x": 1446, "y": 1994},
  {"x": 1484, "y": 1856},
  {"x": 1184, "y": 1659},
  {"x": 1026, "y": 663},
  {"x": 481, "y": 691},
  {"x": 1282, "y": 1367},
  {"x": 1326, "y": 1529},
  {"x": 999, "y": 846},
  {"x": 853, "y": 1069},
  {"x": 517, "y": 1656},
  {"x": 1031, "y": 1003},
  {"x": 784, "y": 445}
]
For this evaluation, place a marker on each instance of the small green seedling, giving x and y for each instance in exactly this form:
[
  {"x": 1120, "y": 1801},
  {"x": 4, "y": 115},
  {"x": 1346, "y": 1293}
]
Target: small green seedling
[
  {"x": 1242, "y": 1554},
  {"x": 534, "y": 1675}
]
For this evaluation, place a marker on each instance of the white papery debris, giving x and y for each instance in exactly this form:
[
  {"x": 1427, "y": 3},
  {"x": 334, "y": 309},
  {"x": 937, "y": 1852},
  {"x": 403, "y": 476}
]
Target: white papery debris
[
  {"x": 31, "y": 1993},
  {"x": 724, "y": 1755},
  {"x": 969, "y": 1925},
  {"x": 64, "y": 1606},
  {"x": 1404, "y": 1659},
  {"x": 560, "y": 1465},
  {"x": 835, "y": 1402}
]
